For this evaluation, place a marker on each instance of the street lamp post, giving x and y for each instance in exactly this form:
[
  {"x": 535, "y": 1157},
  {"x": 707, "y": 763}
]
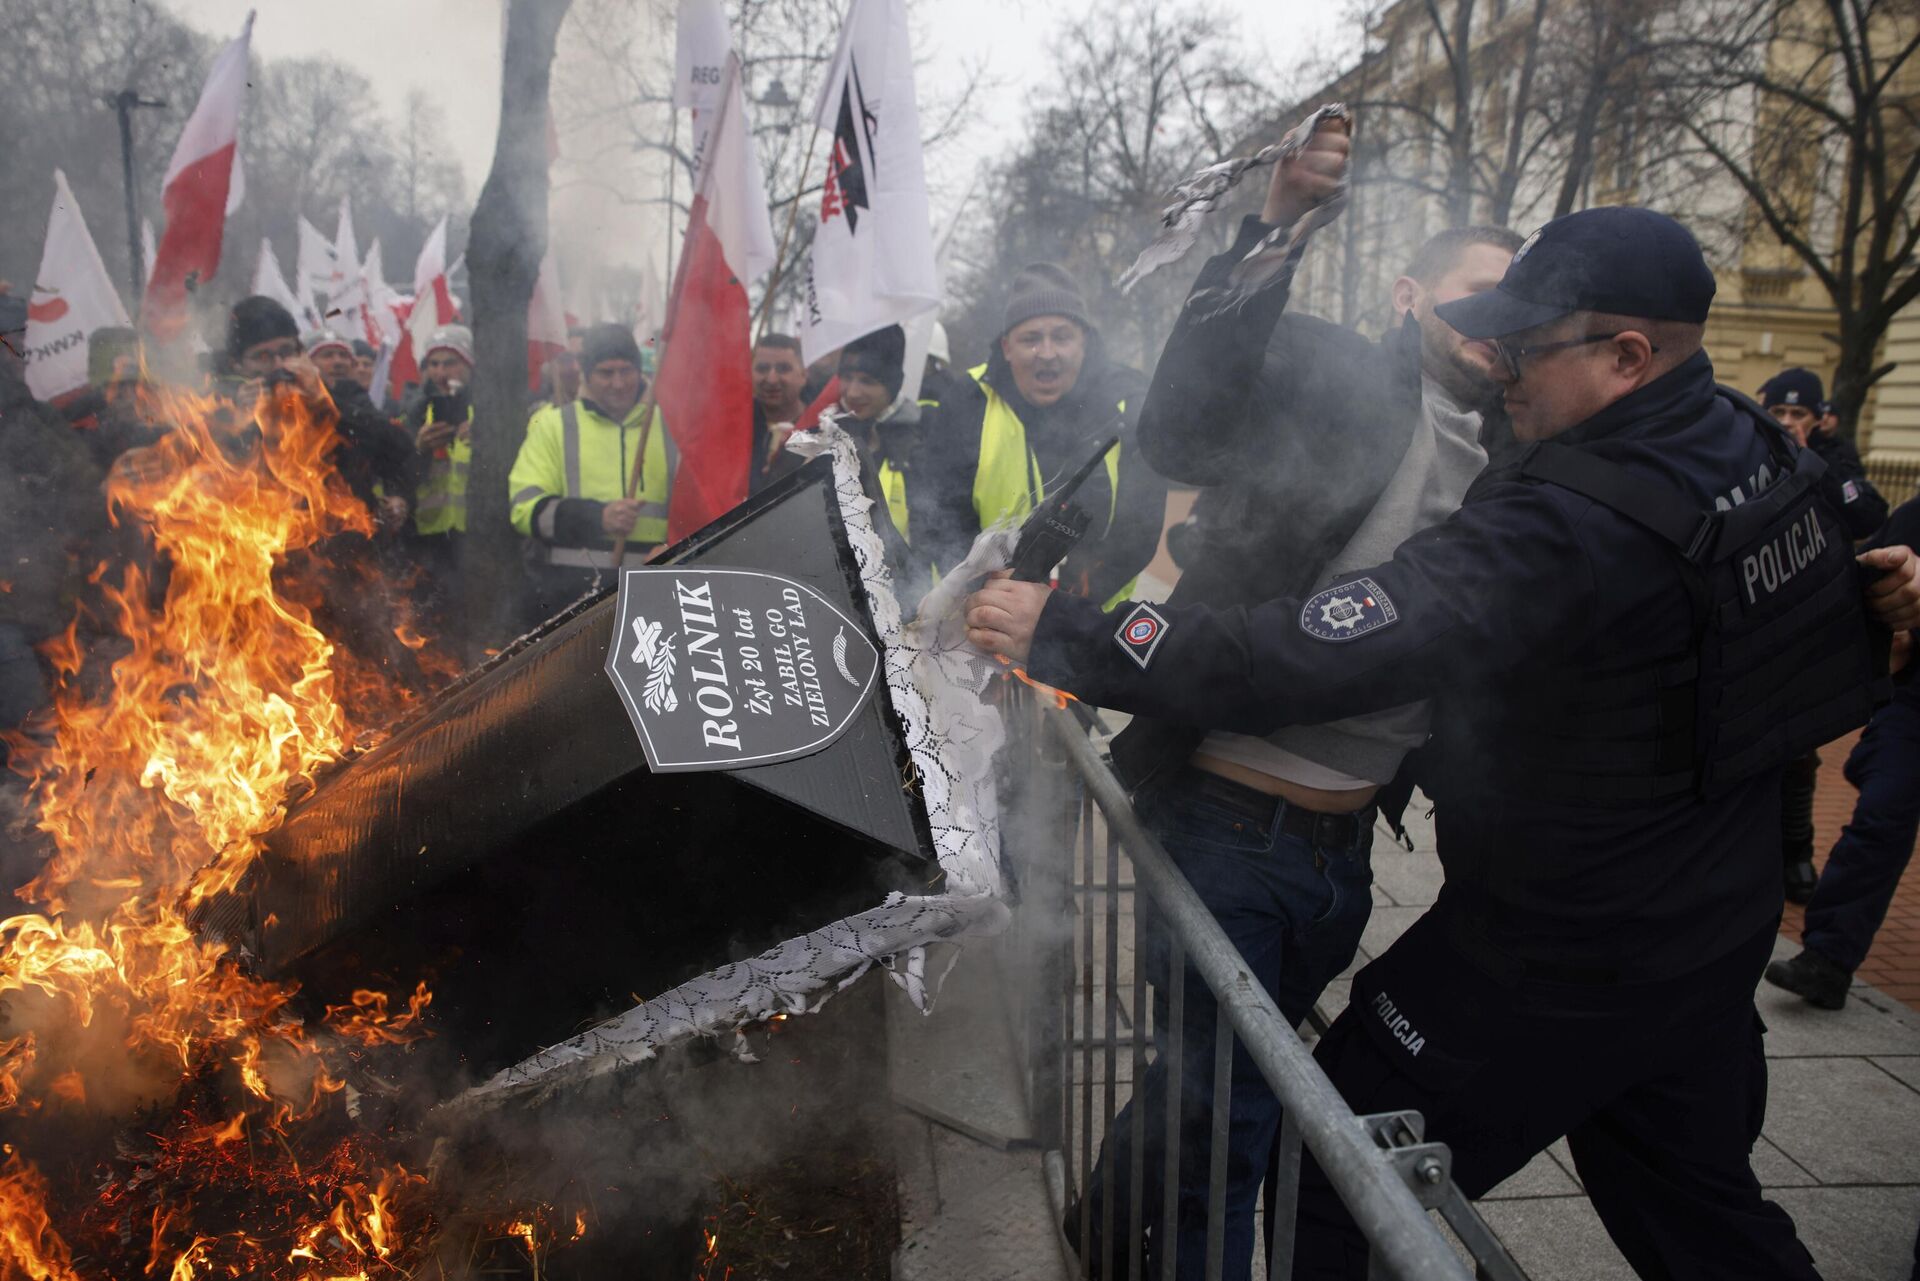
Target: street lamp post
[{"x": 124, "y": 103}]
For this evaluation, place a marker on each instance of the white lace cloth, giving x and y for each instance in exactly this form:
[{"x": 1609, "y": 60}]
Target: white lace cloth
[{"x": 934, "y": 678}]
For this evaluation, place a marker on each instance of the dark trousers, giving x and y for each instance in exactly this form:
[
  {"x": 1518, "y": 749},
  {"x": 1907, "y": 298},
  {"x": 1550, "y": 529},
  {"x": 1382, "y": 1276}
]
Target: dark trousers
[
  {"x": 1866, "y": 864},
  {"x": 1295, "y": 909},
  {"x": 1660, "y": 1089}
]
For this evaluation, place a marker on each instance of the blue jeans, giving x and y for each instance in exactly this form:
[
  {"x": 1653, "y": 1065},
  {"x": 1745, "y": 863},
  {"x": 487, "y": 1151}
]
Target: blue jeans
[
  {"x": 1856, "y": 886},
  {"x": 1295, "y": 909}
]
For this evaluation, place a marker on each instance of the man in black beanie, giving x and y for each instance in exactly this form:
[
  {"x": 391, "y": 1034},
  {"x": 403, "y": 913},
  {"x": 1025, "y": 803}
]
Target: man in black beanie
[
  {"x": 1025, "y": 420},
  {"x": 573, "y": 492},
  {"x": 882, "y": 422}
]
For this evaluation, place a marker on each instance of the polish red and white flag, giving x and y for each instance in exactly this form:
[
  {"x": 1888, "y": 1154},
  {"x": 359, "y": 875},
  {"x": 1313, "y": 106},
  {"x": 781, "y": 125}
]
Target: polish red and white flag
[
  {"x": 196, "y": 193},
  {"x": 705, "y": 386},
  {"x": 432, "y": 305}
]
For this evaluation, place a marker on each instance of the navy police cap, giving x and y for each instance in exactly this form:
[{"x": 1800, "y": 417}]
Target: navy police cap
[
  {"x": 1794, "y": 387},
  {"x": 1615, "y": 259}
]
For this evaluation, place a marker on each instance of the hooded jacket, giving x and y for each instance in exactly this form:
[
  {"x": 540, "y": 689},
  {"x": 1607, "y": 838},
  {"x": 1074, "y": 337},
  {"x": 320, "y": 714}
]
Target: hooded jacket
[{"x": 1060, "y": 437}]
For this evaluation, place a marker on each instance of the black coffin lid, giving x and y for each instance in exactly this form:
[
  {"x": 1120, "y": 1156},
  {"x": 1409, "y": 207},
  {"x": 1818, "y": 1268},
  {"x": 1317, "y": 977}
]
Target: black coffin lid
[
  {"x": 540, "y": 730},
  {"x": 794, "y": 528}
]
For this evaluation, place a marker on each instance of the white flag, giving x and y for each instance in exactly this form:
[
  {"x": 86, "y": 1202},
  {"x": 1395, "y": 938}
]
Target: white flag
[
  {"x": 346, "y": 251},
  {"x": 268, "y": 280},
  {"x": 314, "y": 265},
  {"x": 146, "y": 251},
  {"x": 700, "y": 47},
  {"x": 430, "y": 291},
  {"x": 383, "y": 323},
  {"x": 872, "y": 259},
  {"x": 72, "y": 297}
]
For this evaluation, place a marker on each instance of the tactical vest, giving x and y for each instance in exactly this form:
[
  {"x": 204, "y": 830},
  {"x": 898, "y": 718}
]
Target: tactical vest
[
  {"x": 1007, "y": 481},
  {"x": 440, "y": 504},
  {"x": 1783, "y": 657}
]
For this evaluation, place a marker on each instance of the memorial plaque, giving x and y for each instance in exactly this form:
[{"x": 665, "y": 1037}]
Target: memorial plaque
[{"x": 730, "y": 668}]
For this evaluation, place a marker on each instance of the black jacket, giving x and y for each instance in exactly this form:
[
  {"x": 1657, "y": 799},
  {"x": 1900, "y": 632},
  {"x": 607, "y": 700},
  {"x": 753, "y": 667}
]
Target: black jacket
[
  {"x": 1062, "y": 436},
  {"x": 1528, "y": 594},
  {"x": 373, "y": 451},
  {"x": 1846, "y": 485},
  {"x": 1294, "y": 426}
]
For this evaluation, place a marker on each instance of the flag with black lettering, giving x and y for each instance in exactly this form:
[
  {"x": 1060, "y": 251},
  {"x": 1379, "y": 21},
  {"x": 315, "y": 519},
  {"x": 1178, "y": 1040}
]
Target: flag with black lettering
[{"x": 872, "y": 262}]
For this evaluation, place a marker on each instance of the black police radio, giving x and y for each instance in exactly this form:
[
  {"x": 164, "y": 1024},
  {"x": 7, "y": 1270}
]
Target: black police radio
[{"x": 1055, "y": 527}]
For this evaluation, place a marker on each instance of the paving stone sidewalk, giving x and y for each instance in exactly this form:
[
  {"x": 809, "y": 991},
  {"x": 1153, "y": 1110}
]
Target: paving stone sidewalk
[{"x": 1840, "y": 1149}]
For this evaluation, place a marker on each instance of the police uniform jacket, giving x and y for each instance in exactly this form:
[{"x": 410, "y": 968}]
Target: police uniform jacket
[
  {"x": 1294, "y": 426},
  {"x": 1528, "y": 599},
  {"x": 1847, "y": 486}
]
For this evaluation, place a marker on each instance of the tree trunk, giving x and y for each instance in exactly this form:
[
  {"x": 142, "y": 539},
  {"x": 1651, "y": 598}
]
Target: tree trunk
[
  {"x": 1854, "y": 372},
  {"x": 508, "y": 237},
  {"x": 1460, "y": 137},
  {"x": 1509, "y": 184}
]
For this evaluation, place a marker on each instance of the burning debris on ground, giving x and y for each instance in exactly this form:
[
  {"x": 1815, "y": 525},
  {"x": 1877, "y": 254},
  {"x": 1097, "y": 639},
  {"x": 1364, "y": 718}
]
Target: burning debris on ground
[{"x": 184, "y": 1100}]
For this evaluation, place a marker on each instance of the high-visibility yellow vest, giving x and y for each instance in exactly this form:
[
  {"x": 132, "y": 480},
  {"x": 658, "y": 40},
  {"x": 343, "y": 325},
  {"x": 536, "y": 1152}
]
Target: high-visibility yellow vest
[
  {"x": 893, "y": 487},
  {"x": 440, "y": 504},
  {"x": 1007, "y": 481},
  {"x": 572, "y": 451}
]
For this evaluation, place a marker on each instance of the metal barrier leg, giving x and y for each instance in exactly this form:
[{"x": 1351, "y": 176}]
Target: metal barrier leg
[
  {"x": 1284, "y": 1216},
  {"x": 1086, "y": 1041},
  {"x": 1222, "y": 1122},
  {"x": 1137, "y": 1175},
  {"x": 1110, "y": 1096},
  {"x": 1175, "y": 1048}
]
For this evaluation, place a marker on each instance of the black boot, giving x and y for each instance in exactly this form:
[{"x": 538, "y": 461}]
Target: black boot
[{"x": 1813, "y": 977}]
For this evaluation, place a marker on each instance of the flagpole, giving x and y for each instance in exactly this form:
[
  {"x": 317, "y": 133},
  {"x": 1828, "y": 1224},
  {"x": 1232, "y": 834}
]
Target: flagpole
[
  {"x": 649, "y": 400},
  {"x": 759, "y": 326}
]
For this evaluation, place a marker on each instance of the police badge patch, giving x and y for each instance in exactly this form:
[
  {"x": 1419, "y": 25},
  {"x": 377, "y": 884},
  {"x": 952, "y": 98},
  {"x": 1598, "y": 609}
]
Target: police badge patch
[
  {"x": 1141, "y": 633},
  {"x": 1349, "y": 610}
]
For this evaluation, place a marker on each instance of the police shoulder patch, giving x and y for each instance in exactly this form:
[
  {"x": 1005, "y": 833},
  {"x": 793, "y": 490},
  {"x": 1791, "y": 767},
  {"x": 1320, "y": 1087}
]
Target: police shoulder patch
[
  {"x": 1352, "y": 609},
  {"x": 1140, "y": 634}
]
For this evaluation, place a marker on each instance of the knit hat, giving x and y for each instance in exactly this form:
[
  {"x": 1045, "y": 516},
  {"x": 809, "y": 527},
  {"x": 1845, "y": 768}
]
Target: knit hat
[
  {"x": 256, "y": 320},
  {"x": 1043, "y": 289},
  {"x": 361, "y": 347},
  {"x": 608, "y": 342},
  {"x": 457, "y": 339},
  {"x": 1793, "y": 387},
  {"x": 880, "y": 355},
  {"x": 318, "y": 340}
]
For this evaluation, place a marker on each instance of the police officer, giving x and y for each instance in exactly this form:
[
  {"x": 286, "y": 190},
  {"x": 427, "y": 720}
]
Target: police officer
[
  {"x": 568, "y": 486},
  {"x": 1865, "y": 866},
  {"x": 1597, "y": 638},
  {"x": 1795, "y": 399},
  {"x": 1026, "y": 419}
]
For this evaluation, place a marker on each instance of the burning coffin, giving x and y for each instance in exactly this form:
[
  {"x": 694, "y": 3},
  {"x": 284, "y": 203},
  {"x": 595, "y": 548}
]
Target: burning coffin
[{"x": 544, "y": 865}]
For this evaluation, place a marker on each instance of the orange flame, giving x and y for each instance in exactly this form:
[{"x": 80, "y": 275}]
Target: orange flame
[{"x": 156, "y": 797}]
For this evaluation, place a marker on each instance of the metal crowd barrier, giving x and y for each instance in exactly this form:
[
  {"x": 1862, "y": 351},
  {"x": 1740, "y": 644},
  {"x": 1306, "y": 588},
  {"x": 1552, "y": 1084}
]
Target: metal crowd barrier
[{"x": 1082, "y": 1014}]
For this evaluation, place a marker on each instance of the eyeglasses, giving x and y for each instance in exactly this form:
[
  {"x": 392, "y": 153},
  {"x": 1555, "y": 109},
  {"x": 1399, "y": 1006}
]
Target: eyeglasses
[{"x": 1512, "y": 356}]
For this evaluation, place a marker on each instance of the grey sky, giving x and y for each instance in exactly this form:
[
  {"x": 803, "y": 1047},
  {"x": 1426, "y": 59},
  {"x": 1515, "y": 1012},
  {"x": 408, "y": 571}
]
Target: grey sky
[{"x": 451, "y": 48}]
